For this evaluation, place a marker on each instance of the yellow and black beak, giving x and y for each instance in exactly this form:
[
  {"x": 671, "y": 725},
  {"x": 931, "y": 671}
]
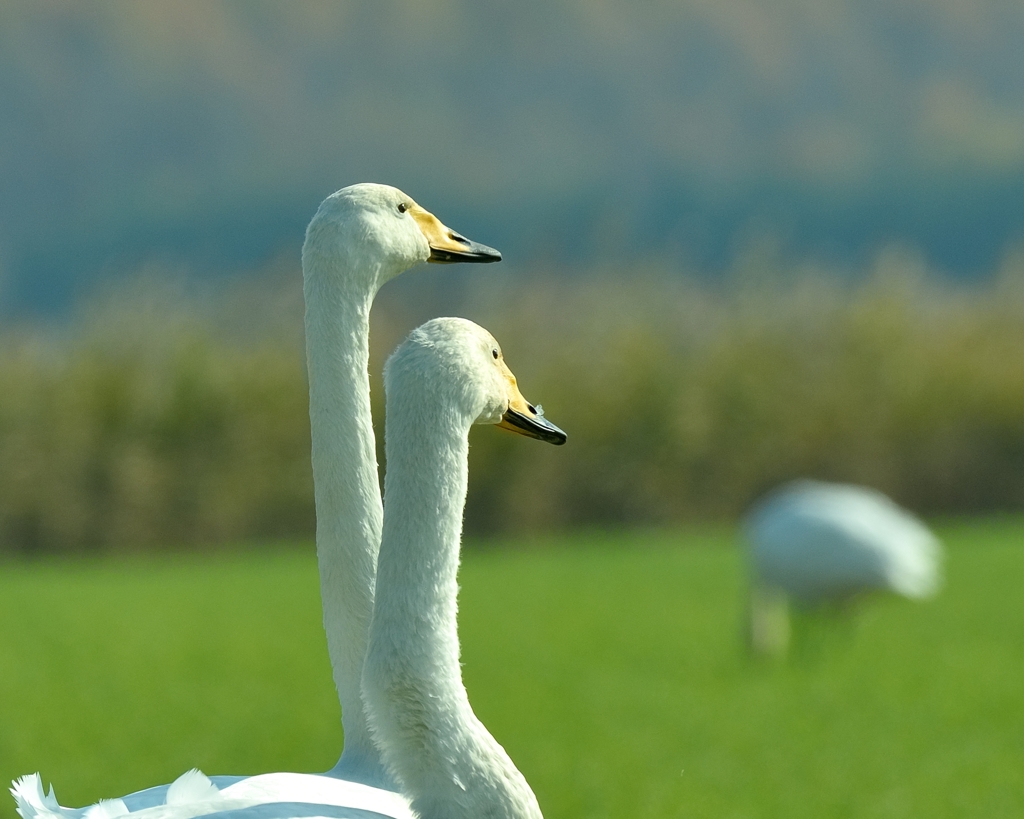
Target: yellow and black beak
[
  {"x": 524, "y": 418},
  {"x": 446, "y": 245}
]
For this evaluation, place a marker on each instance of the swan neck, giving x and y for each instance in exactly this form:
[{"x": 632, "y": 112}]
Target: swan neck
[
  {"x": 347, "y": 492},
  {"x": 426, "y": 482},
  {"x": 440, "y": 753}
]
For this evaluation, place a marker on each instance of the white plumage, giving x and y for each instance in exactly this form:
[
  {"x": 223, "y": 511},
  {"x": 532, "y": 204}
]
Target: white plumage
[
  {"x": 360, "y": 237},
  {"x": 266, "y": 796},
  {"x": 817, "y": 542},
  {"x": 447, "y": 376}
]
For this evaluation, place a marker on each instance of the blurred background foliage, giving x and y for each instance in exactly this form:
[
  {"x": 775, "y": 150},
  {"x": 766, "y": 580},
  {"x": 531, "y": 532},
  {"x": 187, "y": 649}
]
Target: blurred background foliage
[
  {"x": 169, "y": 414},
  {"x": 743, "y": 242}
]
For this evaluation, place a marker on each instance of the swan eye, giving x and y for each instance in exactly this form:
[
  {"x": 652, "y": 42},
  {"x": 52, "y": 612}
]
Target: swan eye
[
  {"x": 494, "y": 353},
  {"x": 402, "y": 207}
]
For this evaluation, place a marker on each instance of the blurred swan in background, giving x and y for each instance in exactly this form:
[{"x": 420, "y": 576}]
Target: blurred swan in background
[
  {"x": 816, "y": 543},
  {"x": 448, "y": 375},
  {"x": 361, "y": 237}
]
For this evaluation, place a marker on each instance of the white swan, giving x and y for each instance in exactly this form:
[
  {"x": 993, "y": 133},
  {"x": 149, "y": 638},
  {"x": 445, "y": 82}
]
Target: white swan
[
  {"x": 817, "y": 543},
  {"x": 360, "y": 237},
  {"x": 448, "y": 375}
]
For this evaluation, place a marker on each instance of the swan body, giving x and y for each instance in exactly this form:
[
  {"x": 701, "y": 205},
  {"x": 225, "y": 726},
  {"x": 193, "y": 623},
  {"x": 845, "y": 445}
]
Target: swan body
[
  {"x": 816, "y": 543},
  {"x": 447, "y": 376},
  {"x": 361, "y": 237}
]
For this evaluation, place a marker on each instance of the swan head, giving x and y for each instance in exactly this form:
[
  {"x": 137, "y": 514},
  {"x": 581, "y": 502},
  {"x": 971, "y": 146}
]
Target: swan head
[
  {"x": 375, "y": 232},
  {"x": 457, "y": 366}
]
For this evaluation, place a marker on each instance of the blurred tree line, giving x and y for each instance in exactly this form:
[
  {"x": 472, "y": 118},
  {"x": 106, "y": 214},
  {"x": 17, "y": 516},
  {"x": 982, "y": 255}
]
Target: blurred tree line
[
  {"x": 163, "y": 416},
  {"x": 209, "y": 132}
]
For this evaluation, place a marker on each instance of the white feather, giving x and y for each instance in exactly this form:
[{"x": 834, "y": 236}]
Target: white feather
[
  {"x": 192, "y": 786},
  {"x": 106, "y": 809},
  {"x": 32, "y": 801}
]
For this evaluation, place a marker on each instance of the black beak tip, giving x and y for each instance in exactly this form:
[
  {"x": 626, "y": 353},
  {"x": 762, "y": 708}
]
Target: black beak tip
[
  {"x": 535, "y": 426},
  {"x": 486, "y": 254},
  {"x": 549, "y": 433},
  {"x": 473, "y": 252}
]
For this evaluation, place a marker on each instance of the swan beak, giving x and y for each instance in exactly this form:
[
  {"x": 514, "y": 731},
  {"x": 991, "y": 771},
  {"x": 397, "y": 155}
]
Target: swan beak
[
  {"x": 524, "y": 418},
  {"x": 447, "y": 246}
]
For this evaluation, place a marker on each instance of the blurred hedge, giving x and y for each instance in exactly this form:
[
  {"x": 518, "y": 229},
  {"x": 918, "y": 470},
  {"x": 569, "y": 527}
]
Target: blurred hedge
[
  {"x": 162, "y": 417},
  {"x": 153, "y": 420}
]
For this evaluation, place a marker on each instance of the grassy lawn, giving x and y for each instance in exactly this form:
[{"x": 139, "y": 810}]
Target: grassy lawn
[{"x": 608, "y": 665}]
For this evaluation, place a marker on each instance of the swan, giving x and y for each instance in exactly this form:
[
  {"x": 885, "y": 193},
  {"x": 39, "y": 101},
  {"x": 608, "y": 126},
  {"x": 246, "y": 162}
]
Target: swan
[
  {"x": 360, "y": 237},
  {"x": 448, "y": 375},
  {"x": 816, "y": 543}
]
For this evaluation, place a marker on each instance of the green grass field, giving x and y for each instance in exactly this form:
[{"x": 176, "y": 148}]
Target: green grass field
[{"x": 609, "y": 666}]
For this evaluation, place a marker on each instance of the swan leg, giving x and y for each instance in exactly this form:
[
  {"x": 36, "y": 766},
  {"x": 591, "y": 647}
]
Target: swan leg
[{"x": 768, "y": 625}]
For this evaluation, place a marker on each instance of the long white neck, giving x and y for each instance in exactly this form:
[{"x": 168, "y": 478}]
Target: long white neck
[
  {"x": 443, "y": 756},
  {"x": 348, "y": 503}
]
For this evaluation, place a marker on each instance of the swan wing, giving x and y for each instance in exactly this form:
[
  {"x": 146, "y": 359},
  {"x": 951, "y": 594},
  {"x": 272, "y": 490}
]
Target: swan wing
[
  {"x": 266, "y": 796},
  {"x": 320, "y": 790}
]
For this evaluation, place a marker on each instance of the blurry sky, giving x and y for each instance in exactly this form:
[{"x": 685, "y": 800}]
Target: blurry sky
[{"x": 203, "y": 133}]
